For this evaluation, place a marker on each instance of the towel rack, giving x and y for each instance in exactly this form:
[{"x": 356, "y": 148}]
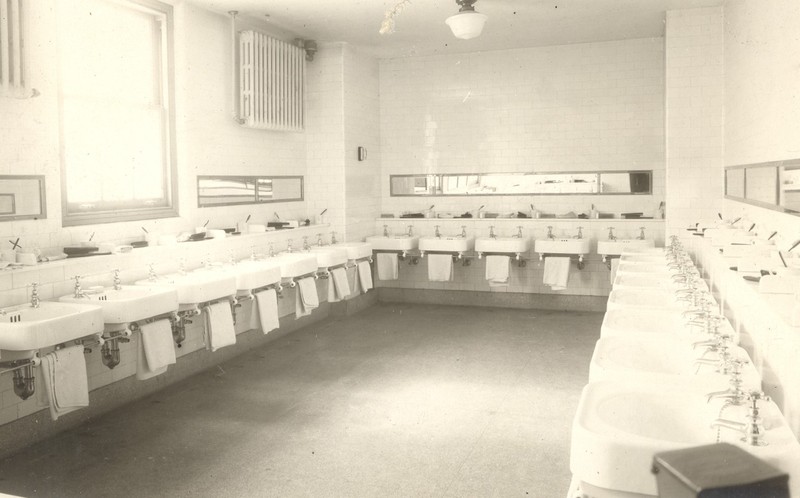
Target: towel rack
[
  {"x": 327, "y": 271},
  {"x": 292, "y": 282},
  {"x": 514, "y": 255},
  {"x": 355, "y": 262},
  {"x": 11, "y": 365},
  {"x": 581, "y": 263}
]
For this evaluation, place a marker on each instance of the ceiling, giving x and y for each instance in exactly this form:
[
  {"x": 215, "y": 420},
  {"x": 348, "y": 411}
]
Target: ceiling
[{"x": 420, "y": 27}]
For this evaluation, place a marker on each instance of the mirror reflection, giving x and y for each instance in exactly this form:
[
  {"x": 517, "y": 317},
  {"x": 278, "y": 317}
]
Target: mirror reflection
[
  {"x": 233, "y": 190},
  {"x": 761, "y": 184},
  {"x": 22, "y": 197},
  {"x": 578, "y": 183}
]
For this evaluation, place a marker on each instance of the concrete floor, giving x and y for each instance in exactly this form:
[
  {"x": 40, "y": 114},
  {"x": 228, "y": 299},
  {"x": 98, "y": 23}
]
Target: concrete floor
[{"x": 399, "y": 400}]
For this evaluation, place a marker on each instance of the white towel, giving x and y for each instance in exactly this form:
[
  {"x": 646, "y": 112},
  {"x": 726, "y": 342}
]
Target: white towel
[
  {"x": 556, "y": 272},
  {"x": 497, "y": 269},
  {"x": 156, "y": 349},
  {"x": 64, "y": 373},
  {"x": 614, "y": 266},
  {"x": 219, "y": 326},
  {"x": 340, "y": 282},
  {"x": 365, "y": 275},
  {"x": 387, "y": 266},
  {"x": 266, "y": 305},
  {"x": 440, "y": 267},
  {"x": 307, "y": 298}
]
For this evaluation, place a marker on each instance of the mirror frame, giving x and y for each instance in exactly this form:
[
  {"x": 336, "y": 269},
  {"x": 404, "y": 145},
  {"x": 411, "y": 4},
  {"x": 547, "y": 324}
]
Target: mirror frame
[
  {"x": 42, "y": 199},
  {"x": 251, "y": 179},
  {"x": 440, "y": 179},
  {"x": 779, "y": 167}
]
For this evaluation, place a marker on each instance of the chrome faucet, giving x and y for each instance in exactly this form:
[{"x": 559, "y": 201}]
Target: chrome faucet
[
  {"x": 319, "y": 240},
  {"x": 385, "y": 230},
  {"x": 34, "y": 294},
  {"x": 117, "y": 280},
  {"x": 550, "y": 233},
  {"x": 641, "y": 233},
  {"x": 78, "y": 290},
  {"x": 271, "y": 251},
  {"x": 333, "y": 238},
  {"x": 753, "y": 429},
  {"x": 289, "y": 246},
  {"x": 306, "y": 247},
  {"x": 436, "y": 232},
  {"x": 463, "y": 231},
  {"x": 580, "y": 233},
  {"x": 611, "y": 235},
  {"x": 151, "y": 273},
  {"x": 491, "y": 232},
  {"x": 410, "y": 231},
  {"x": 519, "y": 233}
]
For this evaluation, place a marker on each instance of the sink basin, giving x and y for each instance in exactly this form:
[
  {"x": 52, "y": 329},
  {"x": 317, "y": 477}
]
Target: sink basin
[
  {"x": 197, "y": 286},
  {"x": 130, "y": 303},
  {"x": 617, "y": 247},
  {"x": 253, "y": 274},
  {"x": 651, "y": 358},
  {"x": 563, "y": 246},
  {"x": 393, "y": 242},
  {"x": 619, "y": 426},
  {"x": 295, "y": 264},
  {"x": 627, "y": 267},
  {"x": 502, "y": 244},
  {"x": 357, "y": 250},
  {"x": 635, "y": 321},
  {"x": 643, "y": 298},
  {"x": 328, "y": 256},
  {"x": 446, "y": 244},
  {"x": 25, "y": 328},
  {"x": 661, "y": 281}
]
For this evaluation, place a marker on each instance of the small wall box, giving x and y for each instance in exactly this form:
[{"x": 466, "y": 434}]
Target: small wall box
[{"x": 717, "y": 471}]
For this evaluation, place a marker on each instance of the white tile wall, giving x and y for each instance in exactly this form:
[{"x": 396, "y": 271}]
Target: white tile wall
[
  {"x": 694, "y": 114},
  {"x": 573, "y": 107}
]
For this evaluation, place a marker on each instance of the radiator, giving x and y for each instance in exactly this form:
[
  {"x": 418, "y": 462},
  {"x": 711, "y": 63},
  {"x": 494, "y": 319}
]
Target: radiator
[
  {"x": 11, "y": 77},
  {"x": 271, "y": 83}
]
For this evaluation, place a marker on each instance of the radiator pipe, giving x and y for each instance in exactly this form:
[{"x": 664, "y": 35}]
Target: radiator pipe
[{"x": 234, "y": 67}]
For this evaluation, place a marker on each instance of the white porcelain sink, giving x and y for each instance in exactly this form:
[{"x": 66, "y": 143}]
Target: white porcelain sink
[
  {"x": 357, "y": 250},
  {"x": 619, "y": 426},
  {"x": 328, "y": 256},
  {"x": 295, "y": 264},
  {"x": 617, "y": 247},
  {"x": 254, "y": 274},
  {"x": 627, "y": 267},
  {"x": 643, "y": 298},
  {"x": 563, "y": 246},
  {"x": 635, "y": 321},
  {"x": 130, "y": 303},
  {"x": 197, "y": 286},
  {"x": 25, "y": 328},
  {"x": 651, "y": 358},
  {"x": 446, "y": 244},
  {"x": 393, "y": 242},
  {"x": 503, "y": 244},
  {"x": 663, "y": 281}
]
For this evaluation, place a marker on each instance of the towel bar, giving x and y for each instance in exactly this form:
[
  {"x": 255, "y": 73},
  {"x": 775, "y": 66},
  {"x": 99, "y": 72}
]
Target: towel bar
[
  {"x": 11, "y": 365},
  {"x": 581, "y": 263}
]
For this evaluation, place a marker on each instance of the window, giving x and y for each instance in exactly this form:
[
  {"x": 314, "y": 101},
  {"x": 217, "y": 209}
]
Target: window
[{"x": 117, "y": 120}]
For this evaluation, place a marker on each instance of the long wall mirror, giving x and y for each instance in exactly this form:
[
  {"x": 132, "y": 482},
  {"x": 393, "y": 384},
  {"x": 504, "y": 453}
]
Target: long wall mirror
[
  {"x": 22, "y": 197},
  {"x": 577, "y": 183},
  {"x": 773, "y": 185},
  {"x": 233, "y": 190}
]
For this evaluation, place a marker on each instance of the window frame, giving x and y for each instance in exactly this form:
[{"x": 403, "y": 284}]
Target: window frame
[{"x": 110, "y": 211}]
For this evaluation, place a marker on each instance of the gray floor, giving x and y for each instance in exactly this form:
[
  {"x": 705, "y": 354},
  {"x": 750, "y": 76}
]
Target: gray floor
[{"x": 399, "y": 400}]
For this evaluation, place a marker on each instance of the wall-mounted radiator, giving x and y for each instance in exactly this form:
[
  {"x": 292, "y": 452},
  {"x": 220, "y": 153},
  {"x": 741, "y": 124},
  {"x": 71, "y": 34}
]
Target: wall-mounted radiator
[
  {"x": 12, "y": 81},
  {"x": 271, "y": 83}
]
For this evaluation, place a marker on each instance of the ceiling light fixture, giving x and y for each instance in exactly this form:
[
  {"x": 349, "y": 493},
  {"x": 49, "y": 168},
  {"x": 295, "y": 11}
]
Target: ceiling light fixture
[{"x": 468, "y": 23}]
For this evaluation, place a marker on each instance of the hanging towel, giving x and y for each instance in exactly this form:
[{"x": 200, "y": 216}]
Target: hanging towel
[
  {"x": 497, "y": 269},
  {"x": 614, "y": 266},
  {"x": 156, "y": 349},
  {"x": 219, "y": 326},
  {"x": 440, "y": 267},
  {"x": 64, "y": 373},
  {"x": 556, "y": 272},
  {"x": 365, "y": 275},
  {"x": 266, "y": 309},
  {"x": 307, "y": 298},
  {"x": 340, "y": 282},
  {"x": 387, "y": 266}
]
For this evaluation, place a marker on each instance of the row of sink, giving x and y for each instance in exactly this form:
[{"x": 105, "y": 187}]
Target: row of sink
[
  {"x": 510, "y": 245},
  {"x": 667, "y": 373},
  {"x": 90, "y": 311}
]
